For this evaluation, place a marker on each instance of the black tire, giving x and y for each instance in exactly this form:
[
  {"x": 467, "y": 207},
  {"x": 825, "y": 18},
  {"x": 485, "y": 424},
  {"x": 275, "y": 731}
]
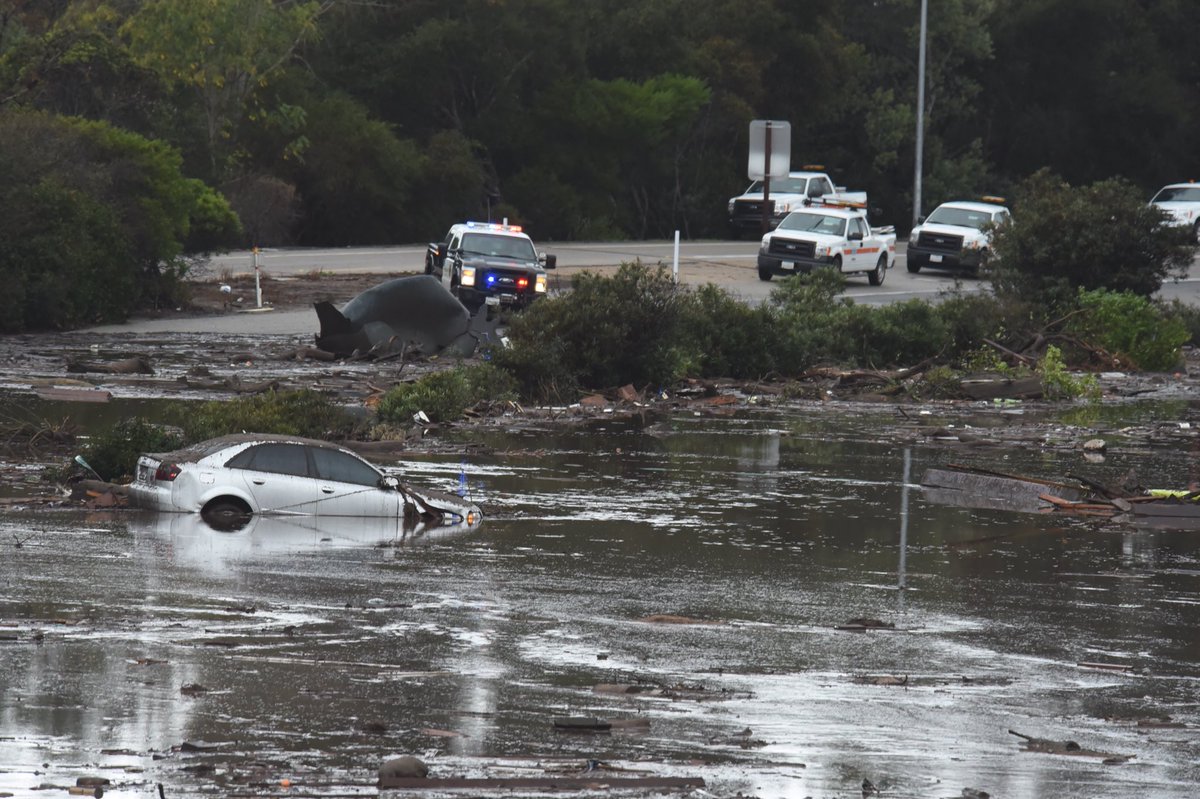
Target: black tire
[
  {"x": 875, "y": 277},
  {"x": 764, "y": 273},
  {"x": 912, "y": 265},
  {"x": 428, "y": 265},
  {"x": 837, "y": 264},
  {"x": 226, "y": 514}
]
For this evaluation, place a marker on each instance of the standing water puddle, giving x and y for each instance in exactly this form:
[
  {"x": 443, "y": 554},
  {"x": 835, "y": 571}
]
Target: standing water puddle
[{"x": 685, "y": 581}]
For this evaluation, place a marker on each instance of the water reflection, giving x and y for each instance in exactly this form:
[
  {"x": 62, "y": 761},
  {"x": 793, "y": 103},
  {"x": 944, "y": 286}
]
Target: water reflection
[
  {"x": 189, "y": 539},
  {"x": 327, "y": 649}
]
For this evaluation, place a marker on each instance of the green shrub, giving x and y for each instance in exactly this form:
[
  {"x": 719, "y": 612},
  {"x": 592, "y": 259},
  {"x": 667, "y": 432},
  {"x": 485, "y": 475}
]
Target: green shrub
[
  {"x": 443, "y": 396},
  {"x": 726, "y": 337},
  {"x": 608, "y": 331},
  {"x": 114, "y": 453},
  {"x": 1067, "y": 237},
  {"x": 296, "y": 413},
  {"x": 1131, "y": 327},
  {"x": 1187, "y": 315},
  {"x": 1058, "y": 383}
]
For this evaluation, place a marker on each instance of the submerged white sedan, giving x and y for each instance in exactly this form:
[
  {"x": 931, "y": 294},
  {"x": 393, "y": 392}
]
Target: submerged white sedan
[{"x": 247, "y": 473}]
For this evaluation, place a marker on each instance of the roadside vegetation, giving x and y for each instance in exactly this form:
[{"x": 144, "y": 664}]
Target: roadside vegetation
[{"x": 138, "y": 136}]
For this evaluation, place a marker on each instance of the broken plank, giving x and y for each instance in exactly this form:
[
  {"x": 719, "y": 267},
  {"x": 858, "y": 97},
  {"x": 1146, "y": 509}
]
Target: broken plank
[
  {"x": 74, "y": 394},
  {"x": 1105, "y": 666},
  {"x": 589, "y": 783}
]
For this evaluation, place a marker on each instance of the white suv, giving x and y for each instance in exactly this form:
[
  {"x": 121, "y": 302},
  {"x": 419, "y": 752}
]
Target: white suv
[{"x": 1181, "y": 201}]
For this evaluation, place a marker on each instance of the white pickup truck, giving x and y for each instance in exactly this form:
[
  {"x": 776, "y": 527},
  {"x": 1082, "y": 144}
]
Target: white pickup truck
[
  {"x": 787, "y": 194},
  {"x": 1181, "y": 202},
  {"x": 833, "y": 234},
  {"x": 957, "y": 235}
]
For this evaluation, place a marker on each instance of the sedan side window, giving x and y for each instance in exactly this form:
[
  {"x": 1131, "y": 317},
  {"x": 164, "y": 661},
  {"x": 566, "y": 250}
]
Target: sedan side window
[
  {"x": 275, "y": 458},
  {"x": 343, "y": 468}
]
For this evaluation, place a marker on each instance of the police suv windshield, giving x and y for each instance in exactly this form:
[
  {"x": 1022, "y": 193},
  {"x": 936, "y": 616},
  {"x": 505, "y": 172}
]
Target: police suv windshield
[
  {"x": 1178, "y": 194},
  {"x": 495, "y": 246},
  {"x": 961, "y": 217},
  {"x": 814, "y": 223}
]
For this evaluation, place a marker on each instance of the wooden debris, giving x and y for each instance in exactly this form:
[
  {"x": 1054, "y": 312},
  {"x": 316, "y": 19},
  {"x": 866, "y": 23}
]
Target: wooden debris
[
  {"x": 595, "y": 781},
  {"x": 999, "y": 387},
  {"x": 74, "y": 394},
  {"x": 582, "y": 724},
  {"x": 129, "y": 366},
  {"x": 1049, "y": 747},
  {"x": 862, "y": 625},
  {"x": 1106, "y": 666},
  {"x": 667, "y": 618}
]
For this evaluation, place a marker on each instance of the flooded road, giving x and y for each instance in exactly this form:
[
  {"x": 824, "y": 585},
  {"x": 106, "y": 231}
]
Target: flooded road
[{"x": 685, "y": 581}]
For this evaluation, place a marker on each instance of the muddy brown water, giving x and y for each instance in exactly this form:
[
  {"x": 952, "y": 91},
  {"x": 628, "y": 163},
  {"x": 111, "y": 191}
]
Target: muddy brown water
[{"x": 293, "y": 658}]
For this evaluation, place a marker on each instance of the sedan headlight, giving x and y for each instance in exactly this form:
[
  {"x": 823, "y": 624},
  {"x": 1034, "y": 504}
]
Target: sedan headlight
[{"x": 468, "y": 276}]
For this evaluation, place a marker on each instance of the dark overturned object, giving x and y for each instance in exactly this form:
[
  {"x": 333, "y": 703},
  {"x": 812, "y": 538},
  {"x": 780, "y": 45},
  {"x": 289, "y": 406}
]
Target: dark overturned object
[{"x": 406, "y": 315}]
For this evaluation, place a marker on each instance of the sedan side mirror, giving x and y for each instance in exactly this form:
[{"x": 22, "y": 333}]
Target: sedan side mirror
[{"x": 551, "y": 261}]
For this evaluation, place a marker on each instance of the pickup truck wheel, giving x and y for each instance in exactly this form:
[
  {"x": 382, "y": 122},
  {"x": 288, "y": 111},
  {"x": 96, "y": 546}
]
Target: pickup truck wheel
[
  {"x": 837, "y": 264},
  {"x": 428, "y": 266},
  {"x": 876, "y": 276},
  {"x": 764, "y": 273},
  {"x": 913, "y": 266}
]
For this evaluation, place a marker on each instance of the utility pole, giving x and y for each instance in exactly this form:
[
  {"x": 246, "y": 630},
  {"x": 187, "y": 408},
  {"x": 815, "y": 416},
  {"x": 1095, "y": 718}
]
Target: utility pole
[{"x": 920, "y": 159}]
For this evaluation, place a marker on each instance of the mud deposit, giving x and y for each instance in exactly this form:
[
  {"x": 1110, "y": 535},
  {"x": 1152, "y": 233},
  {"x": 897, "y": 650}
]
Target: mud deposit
[{"x": 682, "y": 579}]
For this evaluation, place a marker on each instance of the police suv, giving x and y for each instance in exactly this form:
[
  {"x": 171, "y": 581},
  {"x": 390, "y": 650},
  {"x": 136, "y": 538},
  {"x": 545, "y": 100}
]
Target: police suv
[{"x": 489, "y": 262}]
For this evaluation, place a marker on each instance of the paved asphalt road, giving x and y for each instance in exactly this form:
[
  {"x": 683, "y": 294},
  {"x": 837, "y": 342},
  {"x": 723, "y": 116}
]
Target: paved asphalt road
[{"x": 730, "y": 264}]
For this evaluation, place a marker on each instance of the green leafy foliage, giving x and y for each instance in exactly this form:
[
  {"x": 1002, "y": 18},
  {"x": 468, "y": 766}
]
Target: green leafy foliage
[
  {"x": 638, "y": 327},
  {"x": 298, "y": 413},
  {"x": 1091, "y": 237},
  {"x": 1130, "y": 327},
  {"x": 114, "y": 453},
  {"x": 443, "y": 396},
  {"x": 92, "y": 220},
  {"x": 1058, "y": 383},
  {"x": 606, "y": 332}
]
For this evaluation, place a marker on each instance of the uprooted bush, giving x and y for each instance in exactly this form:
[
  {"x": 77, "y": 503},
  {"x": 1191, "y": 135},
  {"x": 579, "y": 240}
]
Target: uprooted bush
[
  {"x": 114, "y": 453},
  {"x": 296, "y": 413},
  {"x": 444, "y": 396},
  {"x": 1130, "y": 327}
]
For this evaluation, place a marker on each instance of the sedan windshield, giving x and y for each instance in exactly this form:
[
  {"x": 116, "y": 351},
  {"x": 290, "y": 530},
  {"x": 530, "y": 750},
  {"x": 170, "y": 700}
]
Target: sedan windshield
[
  {"x": 498, "y": 246},
  {"x": 960, "y": 217},
  {"x": 814, "y": 223},
  {"x": 1178, "y": 194}
]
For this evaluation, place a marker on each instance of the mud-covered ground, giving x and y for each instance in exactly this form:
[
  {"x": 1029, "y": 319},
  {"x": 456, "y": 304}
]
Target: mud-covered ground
[
  {"x": 61, "y": 386},
  {"x": 678, "y": 565}
]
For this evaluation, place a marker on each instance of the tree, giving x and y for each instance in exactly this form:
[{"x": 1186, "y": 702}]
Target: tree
[
  {"x": 223, "y": 51},
  {"x": 1101, "y": 236},
  {"x": 93, "y": 220}
]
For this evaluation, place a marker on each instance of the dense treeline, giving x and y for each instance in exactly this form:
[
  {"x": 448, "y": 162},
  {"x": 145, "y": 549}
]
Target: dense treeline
[{"x": 341, "y": 122}]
